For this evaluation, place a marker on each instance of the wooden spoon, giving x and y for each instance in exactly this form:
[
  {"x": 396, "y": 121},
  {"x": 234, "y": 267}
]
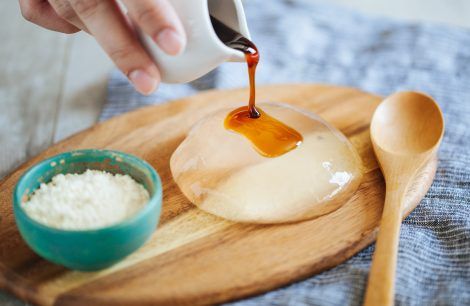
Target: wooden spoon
[{"x": 406, "y": 131}]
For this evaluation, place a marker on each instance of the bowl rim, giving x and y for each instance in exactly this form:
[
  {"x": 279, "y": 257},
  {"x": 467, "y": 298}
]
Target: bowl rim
[{"x": 154, "y": 200}]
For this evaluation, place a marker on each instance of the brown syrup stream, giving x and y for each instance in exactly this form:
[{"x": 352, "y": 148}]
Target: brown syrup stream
[{"x": 269, "y": 136}]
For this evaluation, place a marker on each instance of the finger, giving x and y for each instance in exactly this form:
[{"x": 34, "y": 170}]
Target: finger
[
  {"x": 64, "y": 9},
  {"x": 106, "y": 23},
  {"x": 41, "y": 13},
  {"x": 158, "y": 19}
]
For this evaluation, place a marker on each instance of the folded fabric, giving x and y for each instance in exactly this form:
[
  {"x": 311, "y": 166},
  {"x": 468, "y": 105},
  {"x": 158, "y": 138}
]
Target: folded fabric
[{"x": 303, "y": 41}]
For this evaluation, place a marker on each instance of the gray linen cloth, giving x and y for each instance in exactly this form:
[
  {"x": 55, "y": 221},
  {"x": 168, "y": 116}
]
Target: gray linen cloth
[{"x": 335, "y": 45}]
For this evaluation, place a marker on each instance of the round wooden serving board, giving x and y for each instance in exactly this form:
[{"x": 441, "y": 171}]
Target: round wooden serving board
[{"x": 197, "y": 258}]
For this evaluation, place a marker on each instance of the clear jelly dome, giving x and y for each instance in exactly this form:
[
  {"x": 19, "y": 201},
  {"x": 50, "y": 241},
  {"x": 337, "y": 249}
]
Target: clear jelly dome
[{"x": 221, "y": 172}]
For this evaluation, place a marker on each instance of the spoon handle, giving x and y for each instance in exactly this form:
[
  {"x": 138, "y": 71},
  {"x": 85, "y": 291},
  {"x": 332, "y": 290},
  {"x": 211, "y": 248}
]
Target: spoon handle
[{"x": 380, "y": 286}]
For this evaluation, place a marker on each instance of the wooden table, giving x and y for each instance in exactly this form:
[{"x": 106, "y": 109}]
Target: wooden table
[{"x": 53, "y": 85}]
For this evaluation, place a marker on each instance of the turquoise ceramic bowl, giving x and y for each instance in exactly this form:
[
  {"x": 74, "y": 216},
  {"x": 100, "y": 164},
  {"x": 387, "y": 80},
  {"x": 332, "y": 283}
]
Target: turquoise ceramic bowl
[{"x": 89, "y": 249}]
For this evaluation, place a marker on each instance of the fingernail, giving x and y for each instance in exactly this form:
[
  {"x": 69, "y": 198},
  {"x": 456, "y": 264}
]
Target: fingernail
[
  {"x": 170, "y": 41},
  {"x": 143, "y": 82}
]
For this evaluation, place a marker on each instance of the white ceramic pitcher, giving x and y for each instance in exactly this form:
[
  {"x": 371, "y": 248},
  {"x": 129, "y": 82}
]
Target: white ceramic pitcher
[{"x": 204, "y": 51}]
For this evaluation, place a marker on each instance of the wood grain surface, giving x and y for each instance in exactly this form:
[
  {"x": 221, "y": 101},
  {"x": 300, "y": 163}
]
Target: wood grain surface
[
  {"x": 193, "y": 257},
  {"x": 51, "y": 86}
]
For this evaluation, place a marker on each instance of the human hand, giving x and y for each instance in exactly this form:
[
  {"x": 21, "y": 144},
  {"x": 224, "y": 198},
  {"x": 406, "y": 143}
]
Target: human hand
[{"x": 106, "y": 22}]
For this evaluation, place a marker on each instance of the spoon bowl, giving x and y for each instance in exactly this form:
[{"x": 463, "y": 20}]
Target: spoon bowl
[
  {"x": 407, "y": 123},
  {"x": 406, "y": 131}
]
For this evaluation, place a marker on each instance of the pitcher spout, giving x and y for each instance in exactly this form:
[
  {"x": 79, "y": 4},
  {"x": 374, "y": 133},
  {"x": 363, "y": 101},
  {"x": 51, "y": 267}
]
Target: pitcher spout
[{"x": 231, "y": 14}]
